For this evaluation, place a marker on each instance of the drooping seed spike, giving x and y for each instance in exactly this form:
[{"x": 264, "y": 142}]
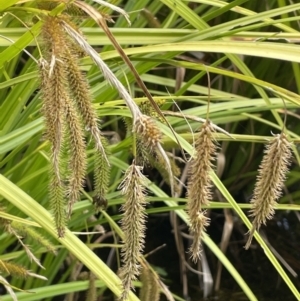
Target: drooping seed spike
[
  {"x": 270, "y": 180},
  {"x": 57, "y": 203},
  {"x": 54, "y": 93},
  {"x": 77, "y": 154},
  {"x": 101, "y": 177},
  {"x": 199, "y": 185},
  {"x": 133, "y": 225},
  {"x": 79, "y": 89}
]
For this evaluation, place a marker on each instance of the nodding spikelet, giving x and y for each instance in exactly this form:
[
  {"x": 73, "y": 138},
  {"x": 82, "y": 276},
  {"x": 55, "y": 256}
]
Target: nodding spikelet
[
  {"x": 270, "y": 180},
  {"x": 13, "y": 269},
  {"x": 58, "y": 203},
  {"x": 54, "y": 97},
  {"x": 28, "y": 232},
  {"x": 53, "y": 92},
  {"x": 147, "y": 131},
  {"x": 150, "y": 290},
  {"x": 133, "y": 225},
  {"x": 150, "y": 135},
  {"x": 77, "y": 156},
  {"x": 79, "y": 89},
  {"x": 61, "y": 81},
  {"x": 54, "y": 42},
  {"x": 101, "y": 177},
  {"x": 199, "y": 186},
  {"x": 149, "y": 150}
]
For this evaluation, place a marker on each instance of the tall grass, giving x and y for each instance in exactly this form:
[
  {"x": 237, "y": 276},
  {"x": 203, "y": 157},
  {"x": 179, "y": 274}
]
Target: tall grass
[{"x": 251, "y": 53}]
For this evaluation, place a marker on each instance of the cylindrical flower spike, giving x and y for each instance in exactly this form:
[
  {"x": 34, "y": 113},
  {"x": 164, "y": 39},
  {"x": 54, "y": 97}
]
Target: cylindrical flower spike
[
  {"x": 270, "y": 180},
  {"x": 133, "y": 225},
  {"x": 77, "y": 154},
  {"x": 199, "y": 186}
]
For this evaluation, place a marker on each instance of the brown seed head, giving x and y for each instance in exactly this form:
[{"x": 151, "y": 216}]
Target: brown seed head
[
  {"x": 199, "y": 185},
  {"x": 146, "y": 128},
  {"x": 54, "y": 97}
]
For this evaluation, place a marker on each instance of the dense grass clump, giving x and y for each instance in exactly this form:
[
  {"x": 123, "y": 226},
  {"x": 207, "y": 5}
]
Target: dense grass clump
[{"x": 178, "y": 117}]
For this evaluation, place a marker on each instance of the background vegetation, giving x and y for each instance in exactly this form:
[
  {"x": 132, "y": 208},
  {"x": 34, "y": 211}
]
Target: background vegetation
[{"x": 250, "y": 51}]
